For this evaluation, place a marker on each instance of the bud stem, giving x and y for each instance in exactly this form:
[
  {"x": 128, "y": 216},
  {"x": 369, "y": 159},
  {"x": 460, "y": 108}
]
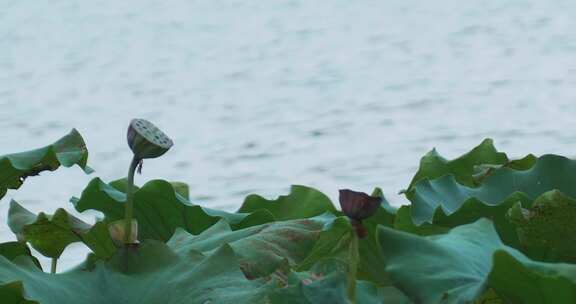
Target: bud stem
[
  {"x": 130, "y": 200},
  {"x": 359, "y": 228},
  {"x": 353, "y": 258}
]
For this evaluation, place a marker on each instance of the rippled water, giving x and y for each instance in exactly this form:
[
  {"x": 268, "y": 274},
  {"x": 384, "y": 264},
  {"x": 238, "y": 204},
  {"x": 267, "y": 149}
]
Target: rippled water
[{"x": 258, "y": 95}]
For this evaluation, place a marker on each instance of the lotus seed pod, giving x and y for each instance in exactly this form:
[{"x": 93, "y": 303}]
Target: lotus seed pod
[
  {"x": 358, "y": 205},
  {"x": 116, "y": 230},
  {"x": 146, "y": 140}
]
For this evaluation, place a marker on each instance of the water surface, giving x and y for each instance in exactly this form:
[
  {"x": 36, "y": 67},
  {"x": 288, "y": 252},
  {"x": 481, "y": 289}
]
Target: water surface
[{"x": 259, "y": 95}]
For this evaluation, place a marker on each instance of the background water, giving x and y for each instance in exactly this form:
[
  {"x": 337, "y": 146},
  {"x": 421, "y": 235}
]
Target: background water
[{"x": 259, "y": 95}]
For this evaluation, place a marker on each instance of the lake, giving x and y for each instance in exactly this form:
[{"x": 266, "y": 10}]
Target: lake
[{"x": 259, "y": 95}]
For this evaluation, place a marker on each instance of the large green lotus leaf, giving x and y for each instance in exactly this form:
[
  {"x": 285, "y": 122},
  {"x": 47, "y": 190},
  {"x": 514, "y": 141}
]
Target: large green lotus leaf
[
  {"x": 13, "y": 293},
  {"x": 12, "y": 250},
  {"x": 385, "y": 214},
  {"x": 273, "y": 248},
  {"x": 448, "y": 268},
  {"x": 458, "y": 267},
  {"x": 327, "y": 282},
  {"x": 403, "y": 222},
  {"x": 372, "y": 264},
  {"x": 550, "y": 172},
  {"x": 67, "y": 151},
  {"x": 519, "y": 280},
  {"x": 159, "y": 209},
  {"x": 301, "y": 202},
  {"x": 264, "y": 248},
  {"x": 368, "y": 292},
  {"x": 182, "y": 192},
  {"x": 471, "y": 210},
  {"x": 298, "y": 244},
  {"x": 333, "y": 241},
  {"x": 331, "y": 288},
  {"x": 489, "y": 297},
  {"x": 152, "y": 274},
  {"x": 433, "y": 165},
  {"x": 485, "y": 170},
  {"x": 547, "y": 227},
  {"x": 180, "y": 188},
  {"x": 51, "y": 234}
]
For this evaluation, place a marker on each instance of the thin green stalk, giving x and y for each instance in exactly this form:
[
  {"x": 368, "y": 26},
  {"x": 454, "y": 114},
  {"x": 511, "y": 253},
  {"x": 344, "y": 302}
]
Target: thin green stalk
[
  {"x": 53, "y": 266},
  {"x": 353, "y": 258},
  {"x": 130, "y": 200}
]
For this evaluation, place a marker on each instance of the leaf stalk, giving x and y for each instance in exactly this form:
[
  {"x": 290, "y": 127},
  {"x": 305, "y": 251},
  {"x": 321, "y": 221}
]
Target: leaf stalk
[{"x": 53, "y": 265}]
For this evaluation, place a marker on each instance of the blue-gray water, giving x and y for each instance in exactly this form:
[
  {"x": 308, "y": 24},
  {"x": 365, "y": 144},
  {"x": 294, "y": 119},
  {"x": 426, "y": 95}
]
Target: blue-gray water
[{"x": 258, "y": 95}]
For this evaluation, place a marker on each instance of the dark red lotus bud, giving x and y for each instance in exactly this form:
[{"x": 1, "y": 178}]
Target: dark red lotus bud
[{"x": 358, "y": 205}]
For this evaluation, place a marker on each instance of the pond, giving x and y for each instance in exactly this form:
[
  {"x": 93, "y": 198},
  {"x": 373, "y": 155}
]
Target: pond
[{"x": 259, "y": 95}]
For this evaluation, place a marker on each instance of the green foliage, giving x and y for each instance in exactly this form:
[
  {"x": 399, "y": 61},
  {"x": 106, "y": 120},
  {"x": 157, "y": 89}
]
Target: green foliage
[
  {"x": 550, "y": 172},
  {"x": 154, "y": 275},
  {"x": 547, "y": 227},
  {"x": 12, "y": 250},
  {"x": 13, "y": 293},
  {"x": 481, "y": 228},
  {"x": 300, "y": 203},
  {"x": 159, "y": 209},
  {"x": 67, "y": 151},
  {"x": 51, "y": 234},
  {"x": 262, "y": 249},
  {"x": 458, "y": 267},
  {"x": 432, "y": 165}
]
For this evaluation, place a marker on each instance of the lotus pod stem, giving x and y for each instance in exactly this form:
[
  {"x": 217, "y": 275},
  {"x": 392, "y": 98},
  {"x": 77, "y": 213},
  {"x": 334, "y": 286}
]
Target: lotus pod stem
[
  {"x": 146, "y": 141},
  {"x": 130, "y": 201}
]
